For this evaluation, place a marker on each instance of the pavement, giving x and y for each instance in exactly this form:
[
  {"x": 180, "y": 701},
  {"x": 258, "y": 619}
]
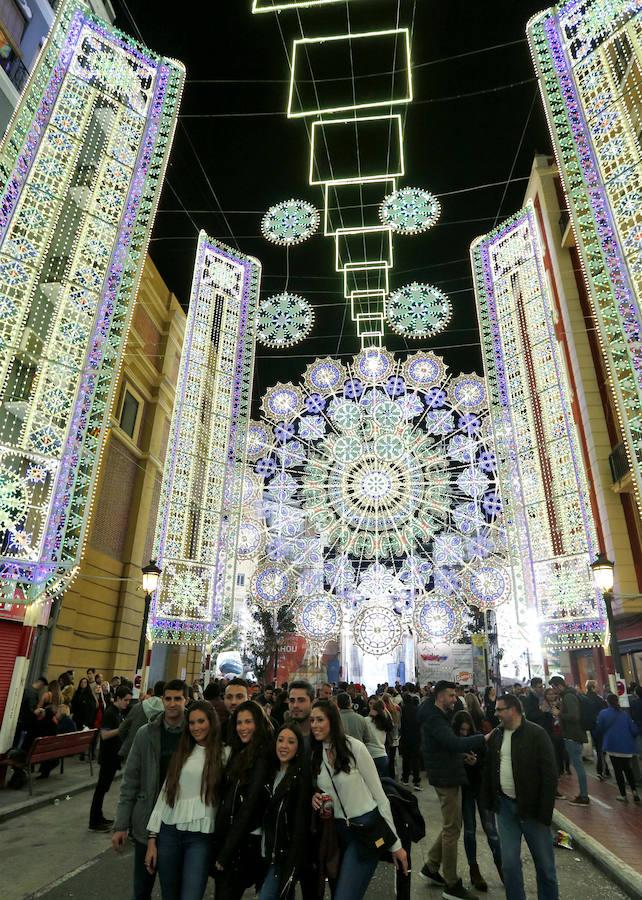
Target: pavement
[{"x": 48, "y": 852}]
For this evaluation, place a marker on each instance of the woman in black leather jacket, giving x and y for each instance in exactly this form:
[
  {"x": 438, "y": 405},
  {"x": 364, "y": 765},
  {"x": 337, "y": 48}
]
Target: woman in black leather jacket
[
  {"x": 237, "y": 835},
  {"x": 287, "y": 816}
]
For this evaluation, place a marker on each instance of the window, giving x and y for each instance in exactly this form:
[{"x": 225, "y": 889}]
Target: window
[
  {"x": 129, "y": 414},
  {"x": 240, "y": 579}
]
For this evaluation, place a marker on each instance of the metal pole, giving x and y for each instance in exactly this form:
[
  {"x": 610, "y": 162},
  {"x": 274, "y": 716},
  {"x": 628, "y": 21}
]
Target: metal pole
[
  {"x": 614, "y": 647},
  {"x": 143, "y": 633}
]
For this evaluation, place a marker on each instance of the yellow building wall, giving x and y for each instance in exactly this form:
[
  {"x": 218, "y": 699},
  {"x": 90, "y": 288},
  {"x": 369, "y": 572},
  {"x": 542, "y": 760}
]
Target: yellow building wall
[{"x": 100, "y": 619}]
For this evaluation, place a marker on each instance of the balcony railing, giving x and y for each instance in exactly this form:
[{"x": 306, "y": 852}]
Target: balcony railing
[{"x": 619, "y": 463}]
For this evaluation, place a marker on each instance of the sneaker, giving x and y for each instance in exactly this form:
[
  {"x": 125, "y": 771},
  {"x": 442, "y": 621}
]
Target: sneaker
[
  {"x": 580, "y": 801},
  {"x": 101, "y": 826},
  {"x": 417, "y": 787},
  {"x": 458, "y": 892},
  {"x": 559, "y": 796},
  {"x": 431, "y": 875},
  {"x": 636, "y": 798},
  {"x": 601, "y": 777},
  {"x": 621, "y": 798},
  {"x": 404, "y": 781},
  {"x": 108, "y": 822}
]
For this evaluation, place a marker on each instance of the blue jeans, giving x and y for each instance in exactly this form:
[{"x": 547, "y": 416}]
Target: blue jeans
[
  {"x": 383, "y": 766},
  {"x": 540, "y": 843},
  {"x": 143, "y": 881},
  {"x": 270, "y": 889},
  {"x": 183, "y": 863},
  {"x": 469, "y": 805},
  {"x": 574, "y": 750},
  {"x": 357, "y": 863}
]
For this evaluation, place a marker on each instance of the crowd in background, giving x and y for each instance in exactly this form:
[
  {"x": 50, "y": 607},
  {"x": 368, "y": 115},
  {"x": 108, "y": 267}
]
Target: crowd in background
[{"x": 270, "y": 786}]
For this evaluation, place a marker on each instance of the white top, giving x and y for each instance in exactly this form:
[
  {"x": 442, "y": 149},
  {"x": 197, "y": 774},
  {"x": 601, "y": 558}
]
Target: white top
[
  {"x": 376, "y": 742},
  {"x": 360, "y": 790},
  {"x": 189, "y": 812},
  {"x": 506, "y": 780}
]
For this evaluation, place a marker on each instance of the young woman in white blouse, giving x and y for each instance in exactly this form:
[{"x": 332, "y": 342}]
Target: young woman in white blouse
[
  {"x": 182, "y": 821},
  {"x": 344, "y": 770}
]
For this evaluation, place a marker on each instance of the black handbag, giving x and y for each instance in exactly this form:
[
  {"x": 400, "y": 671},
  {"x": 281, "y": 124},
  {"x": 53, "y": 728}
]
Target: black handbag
[{"x": 376, "y": 835}]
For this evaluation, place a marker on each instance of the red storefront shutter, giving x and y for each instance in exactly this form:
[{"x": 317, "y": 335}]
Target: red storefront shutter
[{"x": 10, "y": 637}]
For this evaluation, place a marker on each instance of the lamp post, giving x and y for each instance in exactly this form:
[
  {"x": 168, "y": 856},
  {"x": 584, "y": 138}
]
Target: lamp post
[
  {"x": 151, "y": 574},
  {"x": 602, "y": 569}
]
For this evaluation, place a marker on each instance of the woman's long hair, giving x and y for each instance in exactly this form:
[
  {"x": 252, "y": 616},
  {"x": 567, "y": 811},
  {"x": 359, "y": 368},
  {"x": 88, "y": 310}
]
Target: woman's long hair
[
  {"x": 213, "y": 767},
  {"x": 462, "y": 715},
  {"x": 382, "y": 719},
  {"x": 53, "y": 688},
  {"x": 343, "y": 757},
  {"x": 392, "y": 709},
  {"x": 474, "y": 708},
  {"x": 294, "y": 766},
  {"x": 243, "y": 756}
]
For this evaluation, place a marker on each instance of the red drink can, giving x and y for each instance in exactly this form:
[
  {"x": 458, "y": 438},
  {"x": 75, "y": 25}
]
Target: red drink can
[{"x": 327, "y": 807}]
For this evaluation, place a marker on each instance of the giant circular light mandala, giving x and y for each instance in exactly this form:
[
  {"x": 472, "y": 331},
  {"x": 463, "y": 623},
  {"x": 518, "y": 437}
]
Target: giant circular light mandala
[
  {"x": 438, "y": 619},
  {"x": 410, "y": 210},
  {"x": 377, "y": 630},
  {"x": 380, "y": 469},
  {"x": 418, "y": 310},
  {"x": 290, "y": 222},
  {"x": 273, "y": 585},
  {"x": 283, "y": 320}
]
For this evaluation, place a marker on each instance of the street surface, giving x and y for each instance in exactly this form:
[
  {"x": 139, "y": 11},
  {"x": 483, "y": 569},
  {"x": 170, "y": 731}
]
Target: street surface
[{"x": 49, "y": 853}]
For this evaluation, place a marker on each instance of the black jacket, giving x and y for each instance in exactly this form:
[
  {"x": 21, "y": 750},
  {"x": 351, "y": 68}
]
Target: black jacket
[
  {"x": 240, "y": 811},
  {"x": 286, "y": 827},
  {"x": 410, "y": 730},
  {"x": 531, "y": 708},
  {"x": 442, "y": 748},
  {"x": 534, "y": 772}
]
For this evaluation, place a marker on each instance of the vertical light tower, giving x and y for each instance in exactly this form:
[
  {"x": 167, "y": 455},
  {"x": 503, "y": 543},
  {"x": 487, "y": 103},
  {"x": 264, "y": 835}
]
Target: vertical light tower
[
  {"x": 201, "y": 499},
  {"x": 588, "y": 57},
  {"x": 549, "y": 523},
  {"x": 81, "y": 167}
]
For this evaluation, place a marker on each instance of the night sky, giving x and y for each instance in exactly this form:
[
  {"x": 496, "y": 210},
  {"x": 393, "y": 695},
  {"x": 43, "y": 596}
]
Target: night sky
[{"x": 242, "y": 164}]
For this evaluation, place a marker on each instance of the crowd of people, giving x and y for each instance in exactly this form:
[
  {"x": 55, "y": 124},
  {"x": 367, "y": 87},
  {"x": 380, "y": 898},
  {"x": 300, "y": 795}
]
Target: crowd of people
[{"x": 266, "y": 788}]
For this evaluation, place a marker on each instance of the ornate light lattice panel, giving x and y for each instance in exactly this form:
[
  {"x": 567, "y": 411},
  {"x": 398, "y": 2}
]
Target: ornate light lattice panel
[
  {"x": 388, "y": 463},
  {"x": 199, "y": 522},
  {"x": 549, "y": 522},
  {"x": 81, "y": 167},
  {"x": 588, "y": 57}
]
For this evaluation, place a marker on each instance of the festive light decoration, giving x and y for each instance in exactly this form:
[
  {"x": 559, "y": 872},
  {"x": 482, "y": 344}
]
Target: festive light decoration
[
  {"x": 410, "y": 210},
  {"x": 199, "y": 520},
  {"x": 438, "y": 619},
  {"x": 317, "y": 52},
  {"x": 290, "y": 222},
  {"x": 283, "y": 319},
  {"x": 386, "y": 463},
  {"x": 338, "y": 160},
  {"x": 81, "y": 167},
  {"x": 319, "y": 619},
  {"x": 418, "y": 310},
  {"x": 550, "y": 529},
  {"x": 273, "y": 586},
  {"x": 266, "y": 6},
  {"x": 588, "y": 59}
]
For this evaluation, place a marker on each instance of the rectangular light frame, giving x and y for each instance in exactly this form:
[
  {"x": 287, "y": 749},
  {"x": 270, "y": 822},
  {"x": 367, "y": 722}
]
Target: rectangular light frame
[
  {"x": 344, "y": 234},
  {"x": 363, "y": 271},
  {"x": 260, "y": 6},
  {"x": 389, "y": 186},
  {"x": 360, "y": 304},
  {"x": 359, "y": 177},
  {"x": 403, "y": 33}
]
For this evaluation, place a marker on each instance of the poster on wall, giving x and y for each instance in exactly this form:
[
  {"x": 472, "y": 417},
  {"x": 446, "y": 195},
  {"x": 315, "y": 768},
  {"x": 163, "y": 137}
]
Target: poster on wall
[{"x": 448, "y": 662}]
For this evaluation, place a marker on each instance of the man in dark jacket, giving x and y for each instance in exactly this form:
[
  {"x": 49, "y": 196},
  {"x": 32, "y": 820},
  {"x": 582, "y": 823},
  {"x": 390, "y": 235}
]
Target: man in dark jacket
[
  {"x": 443, "y": 755},
  {"x": 531, "y": 702},
  {"x": 410, "y": 740},
  {"x": 591, "y": 705},
  {"x": 573, "y": 733},
  {"x": 519, "y": 785}
]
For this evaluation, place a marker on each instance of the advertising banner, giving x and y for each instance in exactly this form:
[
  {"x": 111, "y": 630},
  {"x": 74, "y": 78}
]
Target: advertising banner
[{"x": 450, "y": 662}]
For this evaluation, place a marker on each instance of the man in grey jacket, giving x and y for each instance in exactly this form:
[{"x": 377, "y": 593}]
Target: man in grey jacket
[
  {"x": 143, "y": 778},
  {"x": 353, "y": 724},
  {"x": 140, "y": 715},
  {"x": 573, "y": 733}
]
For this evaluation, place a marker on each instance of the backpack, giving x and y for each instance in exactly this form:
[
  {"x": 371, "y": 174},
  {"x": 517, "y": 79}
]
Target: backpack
[{"x": 408, "y": 820}]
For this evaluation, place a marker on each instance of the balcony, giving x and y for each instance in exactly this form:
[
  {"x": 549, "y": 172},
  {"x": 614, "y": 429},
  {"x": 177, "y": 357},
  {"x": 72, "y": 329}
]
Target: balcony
[
  {"x": 566, "y": 232},
  {"x": 620, "y": 470}
]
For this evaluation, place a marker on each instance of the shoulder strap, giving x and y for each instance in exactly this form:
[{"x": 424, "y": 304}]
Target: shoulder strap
[{"x": 345, "y": 816}]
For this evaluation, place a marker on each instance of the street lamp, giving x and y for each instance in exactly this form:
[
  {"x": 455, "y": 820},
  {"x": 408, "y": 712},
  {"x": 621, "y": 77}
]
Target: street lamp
[
  {"x": 602, "y": 569},
  {"x": 151, "y": 574}
]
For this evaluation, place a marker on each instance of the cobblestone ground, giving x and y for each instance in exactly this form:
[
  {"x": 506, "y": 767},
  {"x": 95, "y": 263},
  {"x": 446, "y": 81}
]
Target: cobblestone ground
[{"x": 50, "y": 853}]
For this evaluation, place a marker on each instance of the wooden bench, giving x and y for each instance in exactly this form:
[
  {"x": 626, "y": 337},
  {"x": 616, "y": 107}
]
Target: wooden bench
[{"x": 56, "y": 746}]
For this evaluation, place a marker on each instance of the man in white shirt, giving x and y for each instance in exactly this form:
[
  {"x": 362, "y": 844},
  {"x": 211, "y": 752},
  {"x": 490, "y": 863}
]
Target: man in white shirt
[{"x": 519, "y": 785}]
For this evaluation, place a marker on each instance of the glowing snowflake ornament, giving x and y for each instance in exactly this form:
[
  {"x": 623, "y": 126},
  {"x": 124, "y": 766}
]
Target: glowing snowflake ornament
[
  {"x": 410, "y": 210},
  {"x": 418, "y": 310},
  {"x": 290, "y": 222},
  {"x": 283, "y": 320}
]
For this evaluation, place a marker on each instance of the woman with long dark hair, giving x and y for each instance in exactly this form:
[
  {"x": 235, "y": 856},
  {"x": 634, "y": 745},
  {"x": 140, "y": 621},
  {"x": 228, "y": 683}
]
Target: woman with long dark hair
[
  {"x": 618, "y": 732},
  {"x": 345, "y": 775},
  {"x": 83, "y": 705},
  {"x": 182, "y": 821},
  {"x": 463, "y": 726},
  {"x": 392, "y": 738},
  {"x": 238, "y": 863},
  {"x": 490, "y": 698},
  {"x": 287, "y": 816},
  {"x": 379, "y": 726}
]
